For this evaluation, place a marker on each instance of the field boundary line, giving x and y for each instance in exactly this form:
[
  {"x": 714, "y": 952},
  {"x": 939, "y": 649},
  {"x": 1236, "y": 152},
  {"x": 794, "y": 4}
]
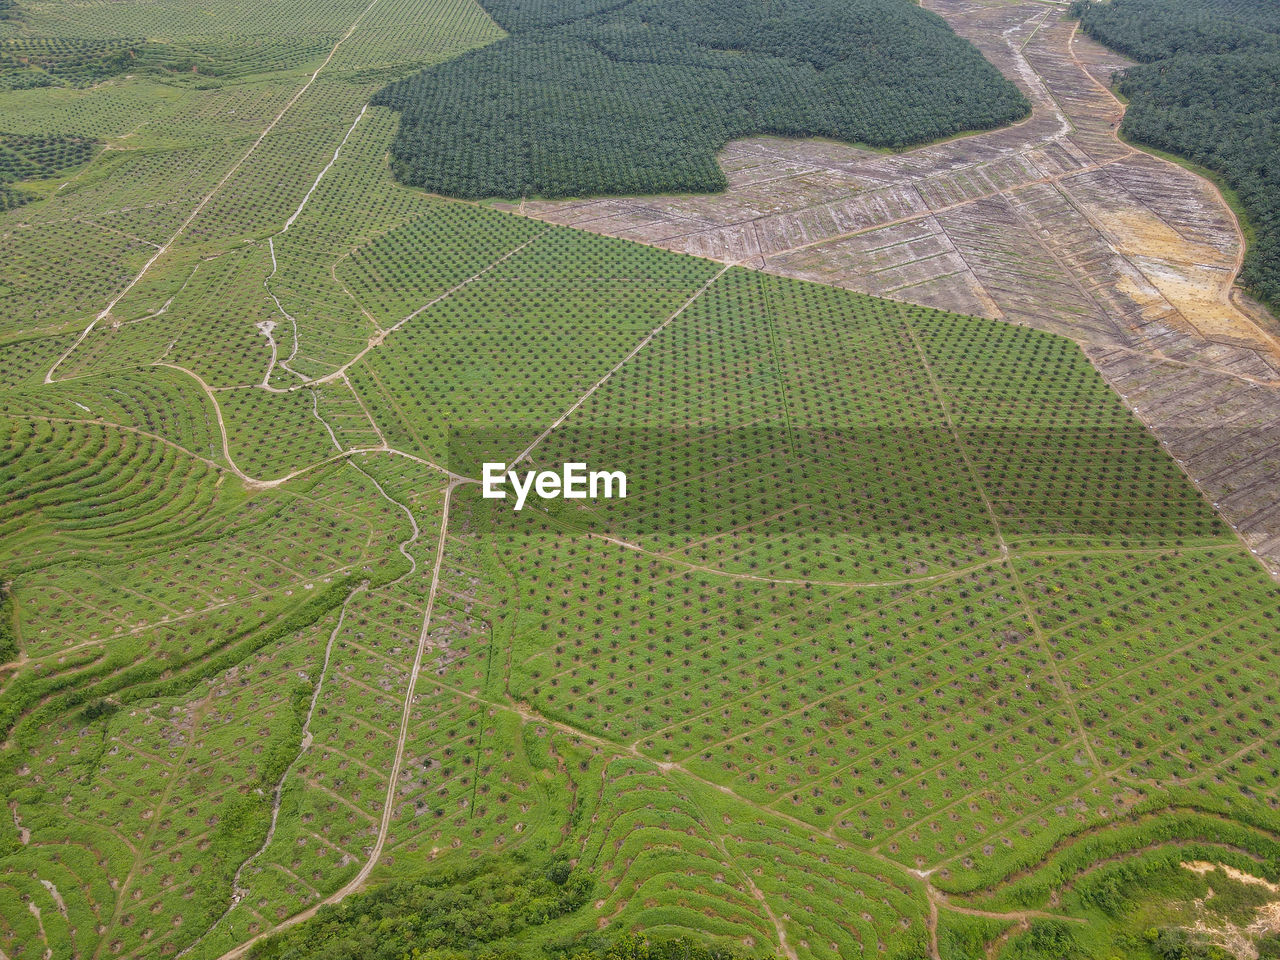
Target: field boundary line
[
  {"x": 271, "y": 244},
  {"x": 776, "y": 355},
  {"x": 217, "y": 412},
  {"x": 524, "y": 454},
  {"x": 413, "y": 525},
  {"x": 235, "y": 167},
  {"x": 267, "y": 484},
  {"x": 1005, "y": 554},
  {"x": 360, "y": 402},
  {"x": 394, "y": 775},
  {"x": 329, "y": 166},
  {"x": 268, "y": 331},
  {"x": 797, "y": 582},
  {"x": 377, "y": 339},
  {"x": 315, "y": 411}
]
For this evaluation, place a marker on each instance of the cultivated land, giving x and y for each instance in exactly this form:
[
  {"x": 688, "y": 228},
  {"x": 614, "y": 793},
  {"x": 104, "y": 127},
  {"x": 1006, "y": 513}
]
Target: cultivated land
[
  {"x": 1053, "y": 223},
  {"x": 910, "y": 637}
]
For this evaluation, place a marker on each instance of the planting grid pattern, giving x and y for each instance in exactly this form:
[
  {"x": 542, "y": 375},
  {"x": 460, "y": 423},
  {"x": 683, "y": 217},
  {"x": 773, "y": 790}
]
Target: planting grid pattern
[
  {"x": 903, "y": 602},
  {"x": 1053, "y": 223}
]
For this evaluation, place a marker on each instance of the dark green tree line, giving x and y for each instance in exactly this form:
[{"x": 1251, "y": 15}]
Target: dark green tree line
[
  {"x": 1207, "y": 88},
  {"x": 601, "y": 97},
  {"x": 469, "y": 912}
]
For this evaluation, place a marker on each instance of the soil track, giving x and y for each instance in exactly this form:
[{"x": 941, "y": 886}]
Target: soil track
[
  {"x": 1054, "y": 223},
  {"x": 231, "y": 172}
]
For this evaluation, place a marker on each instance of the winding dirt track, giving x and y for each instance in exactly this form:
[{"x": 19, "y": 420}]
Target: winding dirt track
[
  {"x": 393, "y": 777},
  {"x": 1054, "y": 223},
  {"x": 182, "y": 228}
]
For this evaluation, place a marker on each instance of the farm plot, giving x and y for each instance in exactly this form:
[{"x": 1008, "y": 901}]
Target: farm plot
[
  {"x": 899, "y": 601},
  {"x": 942, "y": 718},
  {"x": 36, "y": 158},
  {"x": 74, "y": 486},
  {"x": 1106, "y": 877},
  {"x": 249, "y": 596},
  {"x": 676, "y": 858},
  {"x": 49, "y": 273},
  {"x": 788, "y": 430},
  {"x": 1052, "y": 223},
  {"x": 169, "y": 810},
  {"x": 544, "y": 322}
]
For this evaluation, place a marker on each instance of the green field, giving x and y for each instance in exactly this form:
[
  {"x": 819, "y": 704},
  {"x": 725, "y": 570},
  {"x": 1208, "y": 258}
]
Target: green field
[{"x": 907, "y": 637}]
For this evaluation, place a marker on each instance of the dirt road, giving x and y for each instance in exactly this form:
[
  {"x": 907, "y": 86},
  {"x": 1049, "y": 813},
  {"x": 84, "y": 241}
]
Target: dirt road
[{"x": 1053, "y": 223}]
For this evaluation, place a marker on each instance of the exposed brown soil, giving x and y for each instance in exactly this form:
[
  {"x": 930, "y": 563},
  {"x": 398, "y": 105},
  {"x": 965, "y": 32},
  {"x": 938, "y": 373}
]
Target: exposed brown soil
[
  {"x": 1054, "y": 223},
  {"x": 1240, "y": 942}
]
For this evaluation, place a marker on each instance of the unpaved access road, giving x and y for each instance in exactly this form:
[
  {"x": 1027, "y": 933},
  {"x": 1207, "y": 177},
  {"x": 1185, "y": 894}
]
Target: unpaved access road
[{"x": 1053, "y": 222}]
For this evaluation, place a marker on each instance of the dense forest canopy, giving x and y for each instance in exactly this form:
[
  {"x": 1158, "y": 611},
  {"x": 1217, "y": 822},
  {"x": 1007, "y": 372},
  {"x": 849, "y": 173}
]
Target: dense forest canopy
[
  {"x": 596, "y": 97},
  {"x": 1207, "y": 88},
  {"x": 471, "y": 912}
]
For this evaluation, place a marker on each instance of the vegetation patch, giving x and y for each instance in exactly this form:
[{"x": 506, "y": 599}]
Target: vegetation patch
[
  {"x": 596, "y": 97},
  {"x": 450, "y": 914},
  {"x": 1205, "y": 89},
  {"x": 484, "y": 910},
  {"x": 34, "y": 158}
]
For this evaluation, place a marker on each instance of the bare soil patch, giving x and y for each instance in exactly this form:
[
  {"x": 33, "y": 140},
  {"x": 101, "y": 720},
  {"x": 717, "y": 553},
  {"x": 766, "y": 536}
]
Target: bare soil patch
[{"x": 1053, "y": 222}]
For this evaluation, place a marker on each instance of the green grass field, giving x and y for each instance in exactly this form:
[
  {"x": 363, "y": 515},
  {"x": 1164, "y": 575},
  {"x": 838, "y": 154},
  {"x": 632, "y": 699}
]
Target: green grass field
[{"x": 908, "y": 636}]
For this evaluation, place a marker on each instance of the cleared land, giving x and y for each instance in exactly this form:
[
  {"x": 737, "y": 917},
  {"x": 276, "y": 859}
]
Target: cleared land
[
  {"x": 909, "y": 634},
  {"x": 1054, "y": 223}
]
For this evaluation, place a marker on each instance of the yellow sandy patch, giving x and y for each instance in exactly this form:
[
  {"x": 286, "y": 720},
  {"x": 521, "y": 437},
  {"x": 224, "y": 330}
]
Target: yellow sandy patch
[
  {"x": 1268, "y": 919},
  {"x": 1204, "y": 866},
  {"x": 1196, "y": 278}
]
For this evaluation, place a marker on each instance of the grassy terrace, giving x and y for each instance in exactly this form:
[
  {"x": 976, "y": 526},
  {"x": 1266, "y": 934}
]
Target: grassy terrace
[{"x": 901, "y": 602}]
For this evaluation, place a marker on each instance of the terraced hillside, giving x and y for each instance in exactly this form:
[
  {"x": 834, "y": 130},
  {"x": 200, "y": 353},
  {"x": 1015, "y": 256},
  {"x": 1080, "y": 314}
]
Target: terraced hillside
[{"x": 908, "y": 640}]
